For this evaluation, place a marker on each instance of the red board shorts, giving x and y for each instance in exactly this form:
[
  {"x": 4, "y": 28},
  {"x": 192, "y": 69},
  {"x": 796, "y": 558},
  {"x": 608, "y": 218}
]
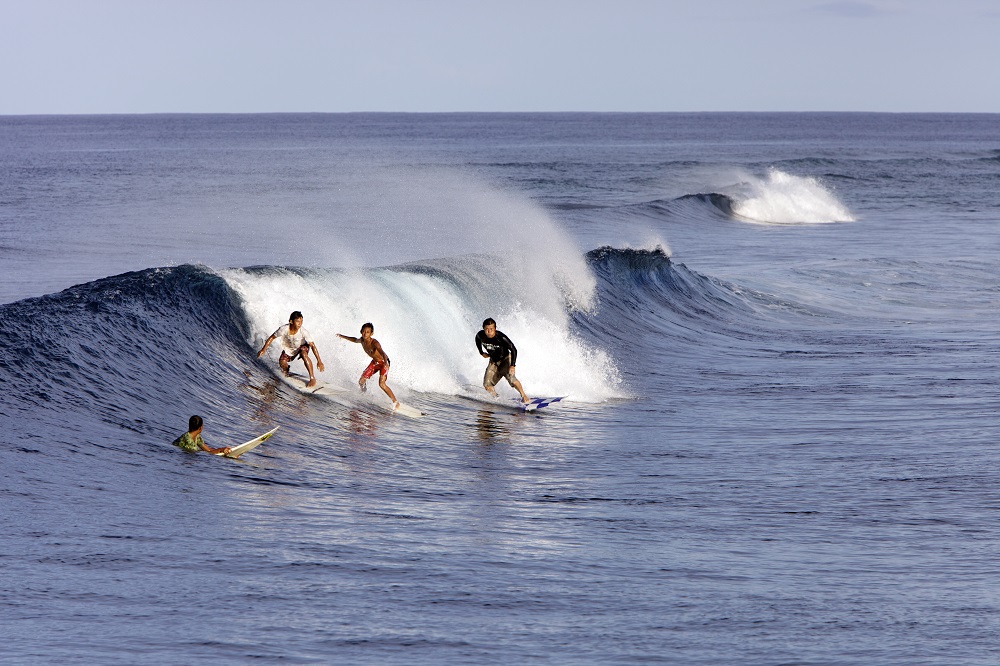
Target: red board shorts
[{"x": 381, "y": 366}]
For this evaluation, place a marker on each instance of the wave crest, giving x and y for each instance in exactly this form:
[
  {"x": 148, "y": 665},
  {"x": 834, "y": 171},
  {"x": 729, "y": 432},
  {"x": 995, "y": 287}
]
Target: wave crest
[{"x": 782, "y": 198}]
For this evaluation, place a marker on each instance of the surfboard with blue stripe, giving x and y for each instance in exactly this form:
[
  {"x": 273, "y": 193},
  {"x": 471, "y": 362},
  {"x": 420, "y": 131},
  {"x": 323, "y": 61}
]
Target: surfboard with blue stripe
[{"x": 537, "y": 403}]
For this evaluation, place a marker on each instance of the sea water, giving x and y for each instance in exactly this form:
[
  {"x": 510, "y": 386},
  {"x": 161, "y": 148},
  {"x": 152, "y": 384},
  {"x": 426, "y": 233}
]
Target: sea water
[{"x": 778, "y": 335}]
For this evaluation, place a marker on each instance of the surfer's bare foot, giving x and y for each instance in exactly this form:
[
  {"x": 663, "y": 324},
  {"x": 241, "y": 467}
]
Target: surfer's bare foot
[
  {"x": 395, "y": 405},
  {"x": 312, "y": 382}
]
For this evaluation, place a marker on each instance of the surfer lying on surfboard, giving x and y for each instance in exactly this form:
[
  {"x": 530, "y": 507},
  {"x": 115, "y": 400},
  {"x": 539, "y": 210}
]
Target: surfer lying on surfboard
[
  {"x": 503, "y": 357},
  {"x": 192, "y": 441},
  {"x": 295, "y": 343},
  {"x": 380, "y": 361}
]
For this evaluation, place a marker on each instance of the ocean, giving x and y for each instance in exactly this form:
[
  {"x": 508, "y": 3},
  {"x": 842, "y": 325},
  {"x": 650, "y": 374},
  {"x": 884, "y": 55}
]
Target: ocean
[{"x": 777, "y": 335}]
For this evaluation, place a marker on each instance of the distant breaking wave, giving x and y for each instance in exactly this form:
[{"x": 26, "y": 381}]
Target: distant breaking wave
[
  {"x": 777, "y": 198},
  {"x": 781, "y": 198}
]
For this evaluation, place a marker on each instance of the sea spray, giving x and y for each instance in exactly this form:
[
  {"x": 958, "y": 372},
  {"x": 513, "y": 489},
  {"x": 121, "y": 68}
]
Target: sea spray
[
  {"x": 782, "y": 198},
  {"x": 431, "y": 213}
]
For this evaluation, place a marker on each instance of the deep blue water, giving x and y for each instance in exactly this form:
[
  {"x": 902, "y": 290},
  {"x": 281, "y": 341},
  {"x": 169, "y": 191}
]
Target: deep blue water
[{"x": 778, "y": 334}]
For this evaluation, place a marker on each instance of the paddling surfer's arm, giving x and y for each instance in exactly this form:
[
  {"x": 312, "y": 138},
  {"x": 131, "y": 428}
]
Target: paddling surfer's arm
[{"x": 208, "y": 449}]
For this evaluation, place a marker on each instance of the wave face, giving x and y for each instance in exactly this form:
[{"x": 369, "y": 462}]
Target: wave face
[
  {"x": 116, "y": 348},
  {"x": 94, "y": 349},
  {"x": 116, "y": 352}
]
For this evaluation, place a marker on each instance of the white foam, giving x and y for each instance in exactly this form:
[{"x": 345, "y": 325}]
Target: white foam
[
  {"x": 427, "y": 325},
  {"x": 782, "y": 198}
]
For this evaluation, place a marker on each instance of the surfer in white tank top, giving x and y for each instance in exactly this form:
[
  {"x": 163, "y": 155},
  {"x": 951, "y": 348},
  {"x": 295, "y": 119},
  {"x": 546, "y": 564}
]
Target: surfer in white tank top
[{"x": 295, "y": 342}]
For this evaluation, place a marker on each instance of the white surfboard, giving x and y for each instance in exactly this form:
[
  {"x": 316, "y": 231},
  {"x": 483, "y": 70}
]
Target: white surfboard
[
  {"x": 237, "y": 451},
  {"x": 300, "y": 383},
  {"x": 407, "y": 410}
]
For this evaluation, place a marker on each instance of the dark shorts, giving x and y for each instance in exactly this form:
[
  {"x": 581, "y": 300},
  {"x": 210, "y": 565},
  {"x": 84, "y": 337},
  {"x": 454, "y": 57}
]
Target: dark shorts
[
  {"x": 497, "y": 371},
  {"x": 381, "y": 366},
  {"x": 304, "y": 349}
]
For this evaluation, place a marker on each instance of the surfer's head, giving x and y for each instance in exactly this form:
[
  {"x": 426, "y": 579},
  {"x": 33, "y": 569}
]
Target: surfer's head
[
  {"x": 295, "y": 315},
  {"x": 195, "y": 423},
  {"x": 489, "y": 327},
  {"x": 369, "y": 326}
]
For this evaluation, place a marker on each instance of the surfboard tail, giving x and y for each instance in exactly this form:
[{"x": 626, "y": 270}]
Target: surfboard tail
[{"x": 408, "y": 410}]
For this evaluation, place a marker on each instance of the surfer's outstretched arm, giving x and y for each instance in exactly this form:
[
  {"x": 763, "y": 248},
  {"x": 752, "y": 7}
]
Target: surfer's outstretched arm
[{"x": 267, "y": 344}]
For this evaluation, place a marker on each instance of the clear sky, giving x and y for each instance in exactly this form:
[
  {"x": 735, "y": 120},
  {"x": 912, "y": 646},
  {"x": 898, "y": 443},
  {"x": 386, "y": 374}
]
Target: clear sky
[{"x": 147, "y": 56}]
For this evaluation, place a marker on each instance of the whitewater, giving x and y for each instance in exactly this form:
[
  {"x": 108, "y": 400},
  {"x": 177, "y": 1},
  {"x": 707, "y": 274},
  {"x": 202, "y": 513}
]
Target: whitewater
[{"x": 777, "y": 334}]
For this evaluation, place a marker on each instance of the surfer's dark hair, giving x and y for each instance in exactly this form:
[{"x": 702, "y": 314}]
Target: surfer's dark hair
[
  {"x": 489, "y": 321},
  {"x": 194, "y": 423},
  {"x": 295, "y": 315},
  {"x": 367, "y": 325}
]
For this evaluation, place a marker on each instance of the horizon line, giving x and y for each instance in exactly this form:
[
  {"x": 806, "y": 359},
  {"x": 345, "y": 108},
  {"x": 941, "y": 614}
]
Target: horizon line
[{"x": 495, "y": 113}]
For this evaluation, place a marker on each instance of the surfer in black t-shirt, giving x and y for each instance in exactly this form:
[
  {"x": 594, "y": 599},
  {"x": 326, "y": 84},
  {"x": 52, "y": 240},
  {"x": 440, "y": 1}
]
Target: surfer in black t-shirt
[{"x": 497, "y": 347}]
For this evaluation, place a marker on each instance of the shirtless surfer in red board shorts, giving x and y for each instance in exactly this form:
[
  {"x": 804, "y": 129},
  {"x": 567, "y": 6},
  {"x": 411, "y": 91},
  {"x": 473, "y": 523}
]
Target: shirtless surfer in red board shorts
[{"x": 380, "y": 361}]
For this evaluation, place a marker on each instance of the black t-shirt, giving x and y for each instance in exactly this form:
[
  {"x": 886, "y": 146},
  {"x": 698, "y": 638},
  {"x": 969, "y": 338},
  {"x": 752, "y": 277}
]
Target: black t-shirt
[{"x": 497, "y": 347}]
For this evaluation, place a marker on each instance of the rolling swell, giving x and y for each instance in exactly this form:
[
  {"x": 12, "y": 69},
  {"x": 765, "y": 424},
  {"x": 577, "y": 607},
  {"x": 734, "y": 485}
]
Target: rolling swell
[
  {"x": 109, "y": 350},
  {"x": 689, "y": 206},
  {"x": 776, "y": 197},
  {"x": 643, "y": 290},
  {"x": 720, "y": 202},
  {"x": 643, "y": 293}
]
